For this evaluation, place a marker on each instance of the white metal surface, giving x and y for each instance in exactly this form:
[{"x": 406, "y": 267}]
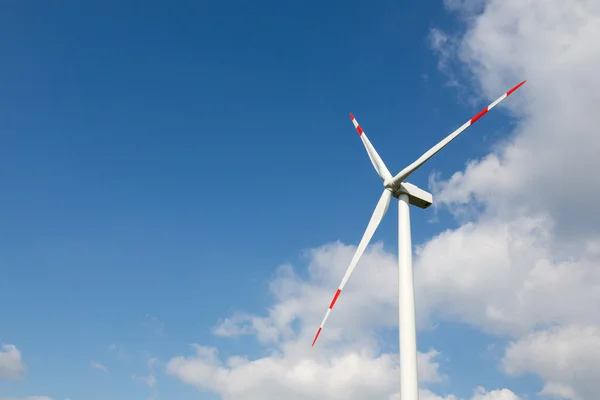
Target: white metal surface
[{"x": 409, "y": 386}]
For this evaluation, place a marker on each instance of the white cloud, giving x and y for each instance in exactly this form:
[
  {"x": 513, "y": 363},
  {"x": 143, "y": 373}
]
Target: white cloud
[
  {"x": 445, "y": 47},
  {"x": 505, "y": 276},
  {"x": 500, "y": 394},
  {"x": 567, "y": 357},
  {"x": 560, "y": 391},
  {"x": 348, "y": 362},
  {"x": 95, "y": 365},
  {"x": 11, "y": 364},
  {"x": 428, "y": 367},
  {"x": 149, "y": 380},
  {"x": 351, "y": 375},
  {"x": 350, "y": 369}
]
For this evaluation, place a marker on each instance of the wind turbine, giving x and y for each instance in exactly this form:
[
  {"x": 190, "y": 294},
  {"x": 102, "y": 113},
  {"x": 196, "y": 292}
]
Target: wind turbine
[{"x": 406, "y": 194}]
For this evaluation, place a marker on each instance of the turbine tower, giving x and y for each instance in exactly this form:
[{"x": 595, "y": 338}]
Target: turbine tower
[{"x": 406, "y": 193}]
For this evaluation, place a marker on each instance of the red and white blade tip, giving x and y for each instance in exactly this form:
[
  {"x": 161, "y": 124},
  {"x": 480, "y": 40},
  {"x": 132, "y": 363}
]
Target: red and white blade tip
[
  {"x": 488, "y": 108},
  {"x": 335, "y": 297},
  {"x": 515, "y": 88},
  {"x": 356, "y": 125},
  {"x": 317, "y": 336}
]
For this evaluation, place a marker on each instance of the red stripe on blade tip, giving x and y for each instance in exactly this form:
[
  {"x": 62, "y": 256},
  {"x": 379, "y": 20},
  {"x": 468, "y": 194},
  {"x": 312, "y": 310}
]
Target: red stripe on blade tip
[
  {"x": 481, "y": 113},
  {"x": 358, "y": 128},
  {"x": 316, "y": 336},
  {"x": 337, "y": 294},
  {"x": 515, "y": 88}
]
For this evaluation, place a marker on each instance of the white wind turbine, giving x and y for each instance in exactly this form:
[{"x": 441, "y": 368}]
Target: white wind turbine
[{"x": 406, "y": 194}]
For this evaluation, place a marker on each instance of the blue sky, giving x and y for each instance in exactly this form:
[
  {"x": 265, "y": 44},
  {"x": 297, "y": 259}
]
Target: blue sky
[{"x": 158, "y": 163}]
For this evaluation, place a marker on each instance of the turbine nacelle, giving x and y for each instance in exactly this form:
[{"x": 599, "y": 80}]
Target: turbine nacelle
[{"x": 416, "y": 196}]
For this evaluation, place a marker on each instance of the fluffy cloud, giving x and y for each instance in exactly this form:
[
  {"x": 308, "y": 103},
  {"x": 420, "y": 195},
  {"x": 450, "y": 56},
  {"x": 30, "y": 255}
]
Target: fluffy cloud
[
  {"x": 348, "y": 362},
  {"x": 349, "y": 375},
  {"x": 502, "y": 394},
  {"x": 504, "y": 276},
  {"x": 11, "y": 365},
  {"x": 12, "y": 368},
  {"x": 566, "y": 357},
  {"x": 557, "y": 390},
  {"x": 149, "y": 380}
]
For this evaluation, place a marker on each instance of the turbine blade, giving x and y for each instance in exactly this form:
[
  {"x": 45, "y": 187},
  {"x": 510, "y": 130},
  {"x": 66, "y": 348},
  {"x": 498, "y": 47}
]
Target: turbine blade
[
  {"x": 375, "y": 159},
  {"x": 380, "y": 210},
  {"x": 402, "y": 175}
]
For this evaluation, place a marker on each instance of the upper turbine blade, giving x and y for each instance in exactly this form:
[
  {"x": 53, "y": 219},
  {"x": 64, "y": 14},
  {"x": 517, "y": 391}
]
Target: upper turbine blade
[
  {"x": 380, "y": 210},
  {"x": 402, "y": 175},
  {"x": 375, "y": 159}
]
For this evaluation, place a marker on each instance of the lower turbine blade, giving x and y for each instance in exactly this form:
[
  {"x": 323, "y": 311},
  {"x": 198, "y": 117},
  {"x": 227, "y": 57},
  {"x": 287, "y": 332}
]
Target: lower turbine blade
[{"x": 380, "y": 210}]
